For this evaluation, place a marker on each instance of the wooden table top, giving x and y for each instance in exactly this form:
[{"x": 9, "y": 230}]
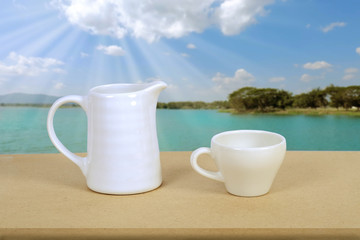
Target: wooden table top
[{"x": 314, "y": 194}]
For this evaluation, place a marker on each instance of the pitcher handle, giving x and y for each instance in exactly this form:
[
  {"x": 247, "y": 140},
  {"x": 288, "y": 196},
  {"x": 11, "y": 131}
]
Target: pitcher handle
[
  {"x": 79, "y": 161},
  {"x": 210, "y": 174}
]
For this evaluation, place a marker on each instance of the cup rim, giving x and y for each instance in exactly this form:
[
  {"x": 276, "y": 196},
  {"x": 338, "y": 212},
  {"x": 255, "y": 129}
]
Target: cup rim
[{"x": 282, "y": 141}]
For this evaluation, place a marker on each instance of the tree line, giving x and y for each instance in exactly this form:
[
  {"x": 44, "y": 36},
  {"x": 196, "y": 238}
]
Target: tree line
[
  {"x": 194, "y": 105},
  {"x": 271, "y": 99}
]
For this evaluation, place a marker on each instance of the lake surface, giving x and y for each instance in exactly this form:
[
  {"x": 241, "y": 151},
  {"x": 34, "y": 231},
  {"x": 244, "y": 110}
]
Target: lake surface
[{"x": 23, "y": 129}]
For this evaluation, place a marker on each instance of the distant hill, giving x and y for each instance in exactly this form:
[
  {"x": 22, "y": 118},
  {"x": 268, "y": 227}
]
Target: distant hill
[{"x": 24, "y": 98}]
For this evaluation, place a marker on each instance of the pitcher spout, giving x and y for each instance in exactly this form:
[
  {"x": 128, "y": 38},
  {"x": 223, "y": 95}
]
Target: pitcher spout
[{"x": 156, "y": 87}]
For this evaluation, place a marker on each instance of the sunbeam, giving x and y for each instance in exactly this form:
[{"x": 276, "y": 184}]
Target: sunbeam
[
  {"x": 20, "y": 37},
  {"x": 185, "y": 80}
]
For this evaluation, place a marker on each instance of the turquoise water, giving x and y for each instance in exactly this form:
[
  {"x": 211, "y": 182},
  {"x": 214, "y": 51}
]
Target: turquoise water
[{"x": 23, "y": 129}]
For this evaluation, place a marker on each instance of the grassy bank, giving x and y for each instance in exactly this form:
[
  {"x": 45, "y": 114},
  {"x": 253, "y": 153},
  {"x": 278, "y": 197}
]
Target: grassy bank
[
  {"x": 319, "y": 111},
  {"x": 302, "y": 111}
]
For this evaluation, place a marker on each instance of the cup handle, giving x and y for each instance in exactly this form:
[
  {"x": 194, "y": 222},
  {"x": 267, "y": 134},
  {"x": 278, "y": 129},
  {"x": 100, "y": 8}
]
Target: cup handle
[
  {"x": 210, "y": 174},
  {"x": 80, "y": 161}
]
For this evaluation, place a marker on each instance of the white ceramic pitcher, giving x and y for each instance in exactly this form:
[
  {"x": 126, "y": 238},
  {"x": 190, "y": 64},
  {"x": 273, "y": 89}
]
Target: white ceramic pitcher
[{"x": 123, "y": 154}]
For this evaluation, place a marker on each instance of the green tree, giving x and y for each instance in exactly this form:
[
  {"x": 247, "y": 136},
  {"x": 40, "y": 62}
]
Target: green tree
[
  {"x": 173, "y": 105},
  {"x": 262, "y": 99},
  {"x": 199, "y": 105},
  {"x": 352, "y": 97},
  {"x": 237, "y": 98},
  {"x": 336, "y": 95},
  {"x": 162, "y": 105},
  {"x": 301, "y": 101},
  {"x": 219, "y": 105},
  {"x": 313, "y": 99},
  {"x": 285, "y": 99}
]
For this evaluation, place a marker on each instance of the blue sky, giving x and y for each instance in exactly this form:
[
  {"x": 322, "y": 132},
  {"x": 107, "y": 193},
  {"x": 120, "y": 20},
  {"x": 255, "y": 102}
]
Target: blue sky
[{"x": 203, "y": 49}]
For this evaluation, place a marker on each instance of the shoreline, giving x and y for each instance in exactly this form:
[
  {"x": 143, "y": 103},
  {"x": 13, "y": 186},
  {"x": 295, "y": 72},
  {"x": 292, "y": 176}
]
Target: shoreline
[
  {"x": 287, "y": 112},
  {"x": 69, "y": 105},
  {"x": 301, "y": 111}
]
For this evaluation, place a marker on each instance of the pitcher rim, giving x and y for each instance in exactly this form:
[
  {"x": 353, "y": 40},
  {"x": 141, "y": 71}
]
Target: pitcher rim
[{"x": 137, "y": 87}]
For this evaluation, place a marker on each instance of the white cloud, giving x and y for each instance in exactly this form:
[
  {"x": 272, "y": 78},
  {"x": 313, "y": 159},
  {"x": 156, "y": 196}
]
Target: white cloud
[
  {"x": 112, "y": 50},
  {"x": 277, "y": 79},
  {"x": 84, "y": 55},
  {"x": 59, "y": 85},
  {"x": 184, "y": 54},
  {"x": 331, "y": 26},
  {"x": 357, "y": 50},
  {"x": 240, "y": 79},
  {"x": 187, "y": 89},
  {"x": 233, "y": 16},
  {"x": 191, "y": 46},
  {"x": 152, "y": 20},
  {"x": 317, "y": 65},
  {"x": 348, "y": 77},
  {"x": 351, "y": 70},
  {"x": 308, "y": 78},
  {"x": 58, "y": 70},
  {"x": 350, "y": 73},
  {"x": 96, "y": 17},
  {"x": 18, "y": 65}
]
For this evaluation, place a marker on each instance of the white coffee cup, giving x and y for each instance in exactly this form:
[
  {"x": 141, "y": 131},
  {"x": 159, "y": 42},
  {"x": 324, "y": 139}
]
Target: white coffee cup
[{"x": 247, "y": 160}]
